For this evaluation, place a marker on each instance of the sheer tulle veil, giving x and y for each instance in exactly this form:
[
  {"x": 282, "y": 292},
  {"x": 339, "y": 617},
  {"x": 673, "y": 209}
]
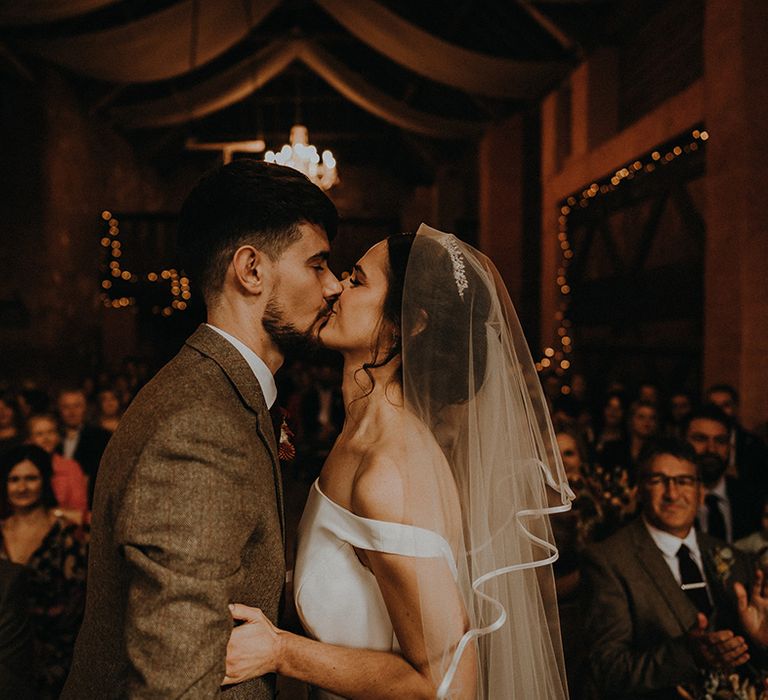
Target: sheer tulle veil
[{"x": 469, "y": 377}]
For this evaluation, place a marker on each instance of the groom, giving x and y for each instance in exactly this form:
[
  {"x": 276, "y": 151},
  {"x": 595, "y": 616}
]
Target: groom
[{"x": 188, "y": 512}]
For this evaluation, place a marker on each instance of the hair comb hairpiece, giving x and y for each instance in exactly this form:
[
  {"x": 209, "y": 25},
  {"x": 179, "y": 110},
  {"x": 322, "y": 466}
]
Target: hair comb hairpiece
[{"x": 449, "y": 243}]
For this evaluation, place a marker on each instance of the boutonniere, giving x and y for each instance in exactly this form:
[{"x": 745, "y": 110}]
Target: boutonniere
[
  {"x": 286, "y": 450},
  {"x": 724, "y": 561}
]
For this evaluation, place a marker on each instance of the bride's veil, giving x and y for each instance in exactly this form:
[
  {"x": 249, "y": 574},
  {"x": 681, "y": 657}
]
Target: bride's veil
[{"x": 468, "y": 375}]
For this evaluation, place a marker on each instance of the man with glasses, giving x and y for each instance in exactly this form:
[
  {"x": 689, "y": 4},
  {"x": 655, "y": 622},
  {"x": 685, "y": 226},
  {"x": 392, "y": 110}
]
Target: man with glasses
[
  {"x": 748, "y": 458},
  {"x": 731, "y": 506},
  {"x": 662, "y": 598}
]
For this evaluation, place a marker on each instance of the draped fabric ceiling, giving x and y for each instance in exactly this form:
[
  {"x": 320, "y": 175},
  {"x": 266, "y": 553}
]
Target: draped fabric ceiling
[
  {"x": 189, "y": 34},
  {"x": 163, "y": 45},
  {"x": 233, "y": 85},
  {"x": 21, "y": 12}
]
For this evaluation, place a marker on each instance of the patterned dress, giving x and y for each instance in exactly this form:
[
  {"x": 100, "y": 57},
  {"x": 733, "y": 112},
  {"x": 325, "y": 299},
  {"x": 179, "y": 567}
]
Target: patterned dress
[{"x": 56, "y": 593}]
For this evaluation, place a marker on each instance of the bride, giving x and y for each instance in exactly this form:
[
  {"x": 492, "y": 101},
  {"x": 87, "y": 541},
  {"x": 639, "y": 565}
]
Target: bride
[{"x": 422, "y": 568}]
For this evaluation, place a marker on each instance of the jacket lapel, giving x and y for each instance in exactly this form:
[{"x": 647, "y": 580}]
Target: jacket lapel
[
  {"x": 652, "y": 560},
  {"x": 213, "y": 345}
]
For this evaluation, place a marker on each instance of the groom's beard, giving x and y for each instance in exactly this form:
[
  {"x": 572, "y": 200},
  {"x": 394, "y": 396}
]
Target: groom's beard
[{"x": 285, "y": 335}]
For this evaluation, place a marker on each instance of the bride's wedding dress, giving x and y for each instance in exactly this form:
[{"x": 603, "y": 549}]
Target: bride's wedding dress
[
  {"x": 469, "y": 379},
  {"x": 337, "y": 597}
]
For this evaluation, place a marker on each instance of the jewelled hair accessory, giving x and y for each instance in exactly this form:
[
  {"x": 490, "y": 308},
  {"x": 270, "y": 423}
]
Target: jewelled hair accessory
[{"x": 449, "y": 243}]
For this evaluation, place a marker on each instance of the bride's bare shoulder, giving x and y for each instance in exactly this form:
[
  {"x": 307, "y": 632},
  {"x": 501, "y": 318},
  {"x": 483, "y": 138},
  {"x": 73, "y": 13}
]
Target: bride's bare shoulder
[
  {"x": 379, "y": 487},
  {"x": 393, "y": 472}
]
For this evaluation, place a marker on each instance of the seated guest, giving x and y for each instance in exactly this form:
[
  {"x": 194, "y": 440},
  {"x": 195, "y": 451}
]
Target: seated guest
[
  {"x": 748, "y": 456},
  {"x": 564, "y": 413},
  {"x": 321, "y": 414},
  {"x": 643, "y": 424},
  {"x": 756, "y": 543},
  {"x": 32, "y": 400},
  {"x": 649, "y": 393},
  {"x": 731, "y": 508},
  {"x": 70, "y": 485},
  {"x": 10, "y": 434},
  {"x": 573, "y": 530},
  {"x": 680, "y": 407},
  {"x": 53, "y": 551},
  {"x": 109, "y": 410},
  {"x": 663, "y": 600},
  {"x": 16, "y": 666},
  {"x": 81, "y": 442},
  {"x": 612, "y": 427}
]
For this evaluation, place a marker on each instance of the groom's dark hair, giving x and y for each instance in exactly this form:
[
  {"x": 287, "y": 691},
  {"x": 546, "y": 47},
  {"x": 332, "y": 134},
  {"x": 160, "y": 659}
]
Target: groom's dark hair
[{"x": 246, "y": 202}]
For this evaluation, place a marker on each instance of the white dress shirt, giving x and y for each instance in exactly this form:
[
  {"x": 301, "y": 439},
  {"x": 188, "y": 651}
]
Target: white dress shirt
[
  {"x": 70, "y": 442},
  {"x": 258, "y": 367},
  {"x": 669, "y": 545},
  {"x": 724, "y": 505}
]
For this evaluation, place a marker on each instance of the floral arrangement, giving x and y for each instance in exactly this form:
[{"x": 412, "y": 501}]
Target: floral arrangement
[
  {"x": 613, "y": 501},
  {"x": 725, "y": 685}
]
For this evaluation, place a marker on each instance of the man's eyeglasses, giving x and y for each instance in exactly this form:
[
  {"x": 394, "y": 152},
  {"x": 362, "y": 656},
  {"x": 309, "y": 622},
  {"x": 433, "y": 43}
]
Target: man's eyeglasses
[{"x": 682, "y": 481}]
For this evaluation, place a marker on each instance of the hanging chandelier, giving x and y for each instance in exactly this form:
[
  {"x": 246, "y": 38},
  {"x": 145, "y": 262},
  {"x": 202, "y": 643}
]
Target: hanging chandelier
[{"x": 303, "y": 156}]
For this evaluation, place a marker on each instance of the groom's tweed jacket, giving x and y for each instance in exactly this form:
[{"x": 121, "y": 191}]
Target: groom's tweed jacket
[{"x": 187, "y": 518}]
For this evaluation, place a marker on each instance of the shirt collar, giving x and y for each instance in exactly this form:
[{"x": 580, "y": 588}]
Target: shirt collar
[
  {"x": 670, "y": 544},
  {"x": 258, "y": 367}
]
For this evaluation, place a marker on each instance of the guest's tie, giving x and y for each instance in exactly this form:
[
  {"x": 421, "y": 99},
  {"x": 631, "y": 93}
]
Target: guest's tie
[
  {"x": 692, "y": 582},
  {"x": 715, "y": 519}
]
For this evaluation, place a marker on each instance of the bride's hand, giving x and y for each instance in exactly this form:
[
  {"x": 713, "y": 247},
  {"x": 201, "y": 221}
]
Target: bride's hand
[{"x": 253, "y": 647}]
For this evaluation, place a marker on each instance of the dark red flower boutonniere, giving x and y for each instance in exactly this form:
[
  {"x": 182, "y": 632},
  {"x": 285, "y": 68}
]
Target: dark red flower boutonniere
[{"x": 286, "y": 450}]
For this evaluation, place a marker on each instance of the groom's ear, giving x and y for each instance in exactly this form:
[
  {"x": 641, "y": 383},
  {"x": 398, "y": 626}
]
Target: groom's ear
[{"x": 249, "y": 265}]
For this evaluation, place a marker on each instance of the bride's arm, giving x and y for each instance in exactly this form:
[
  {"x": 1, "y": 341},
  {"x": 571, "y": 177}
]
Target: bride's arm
[
  {"x": 258, "y": 647},
  {"x": 424, "y": 606}
]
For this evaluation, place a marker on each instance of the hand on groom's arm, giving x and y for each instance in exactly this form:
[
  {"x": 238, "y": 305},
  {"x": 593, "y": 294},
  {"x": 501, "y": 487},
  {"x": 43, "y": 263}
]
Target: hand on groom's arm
[
  {"x": 254, "y": 647},
  {"x": 184, "y": 521}
]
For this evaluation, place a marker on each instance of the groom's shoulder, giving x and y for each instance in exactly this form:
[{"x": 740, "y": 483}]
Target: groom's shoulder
[
  {"x": 190, "y": 381},
  {"x": 185, "y": 373}
]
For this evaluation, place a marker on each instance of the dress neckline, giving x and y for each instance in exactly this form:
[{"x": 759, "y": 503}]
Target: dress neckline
[
  {"x": 387, "y": 523},
  {"x": 58, "y": 525}
]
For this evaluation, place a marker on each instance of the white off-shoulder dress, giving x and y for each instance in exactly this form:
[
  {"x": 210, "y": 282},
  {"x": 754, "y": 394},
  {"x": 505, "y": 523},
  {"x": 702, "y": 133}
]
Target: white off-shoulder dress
[{"x": 337, "y": 597}]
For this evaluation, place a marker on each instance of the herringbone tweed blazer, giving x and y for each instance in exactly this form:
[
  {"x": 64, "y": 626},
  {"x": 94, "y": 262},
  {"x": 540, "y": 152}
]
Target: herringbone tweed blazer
[{"x": 187, "y": 518}]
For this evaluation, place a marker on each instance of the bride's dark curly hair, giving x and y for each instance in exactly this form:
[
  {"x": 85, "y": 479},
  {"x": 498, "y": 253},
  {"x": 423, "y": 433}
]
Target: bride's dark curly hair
[{"x": 435, "y": 314}]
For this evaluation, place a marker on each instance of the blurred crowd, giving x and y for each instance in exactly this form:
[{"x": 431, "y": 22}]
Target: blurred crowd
[
  {"x": 610, "y": 449},
  {"x": 51, "y": 444},
  {"x": 52, "y": 439}
]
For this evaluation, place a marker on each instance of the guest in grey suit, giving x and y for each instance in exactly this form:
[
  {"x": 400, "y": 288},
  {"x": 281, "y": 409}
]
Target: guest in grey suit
[
  {"x": 663, "y": 600},
  {"x": 188, "y": 506}
]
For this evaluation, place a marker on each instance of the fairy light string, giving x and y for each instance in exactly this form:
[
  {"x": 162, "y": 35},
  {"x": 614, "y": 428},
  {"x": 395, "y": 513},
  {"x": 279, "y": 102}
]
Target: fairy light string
[
  {"x": 120, "y": 287},
  {"x": 557, "y": 356}
]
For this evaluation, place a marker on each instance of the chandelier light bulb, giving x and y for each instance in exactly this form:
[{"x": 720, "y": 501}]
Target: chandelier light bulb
[{"x": 303, "y": 156}]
